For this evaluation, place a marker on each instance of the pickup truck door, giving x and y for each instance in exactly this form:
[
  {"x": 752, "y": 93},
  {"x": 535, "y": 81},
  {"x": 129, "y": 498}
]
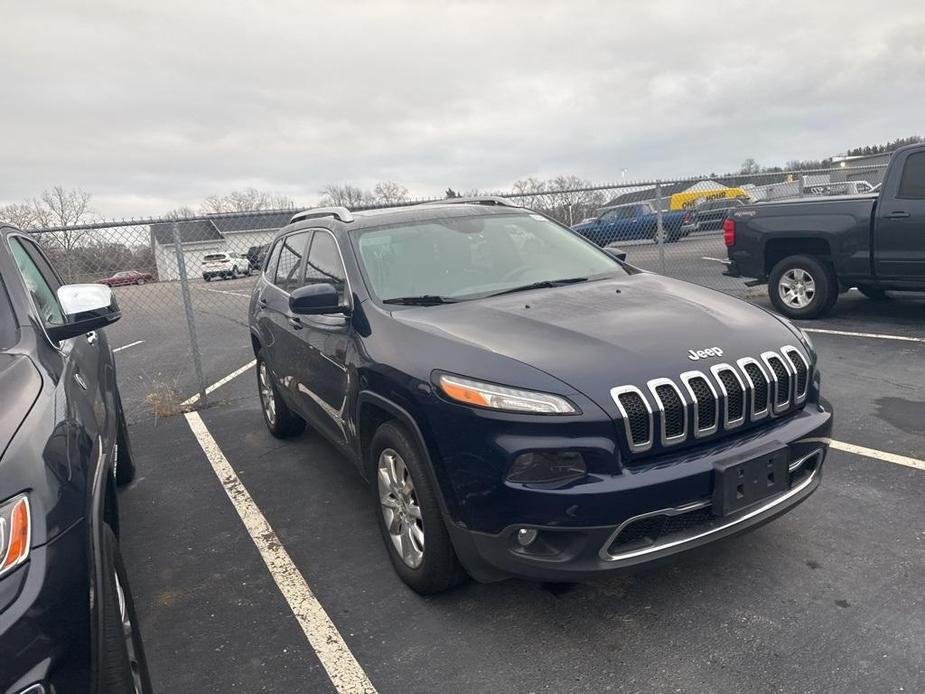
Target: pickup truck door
[{"x": 899, "y": 226}]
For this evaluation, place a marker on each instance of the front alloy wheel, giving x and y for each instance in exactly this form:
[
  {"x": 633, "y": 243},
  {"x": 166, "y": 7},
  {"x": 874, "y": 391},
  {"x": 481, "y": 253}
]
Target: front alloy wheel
[
  {"x": 128, "y": 634},
  {"x": 400, "y": 509}
]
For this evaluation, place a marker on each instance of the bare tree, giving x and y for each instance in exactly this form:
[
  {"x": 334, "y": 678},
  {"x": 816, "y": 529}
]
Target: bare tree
[
  {"x": 345, "y": 195},
  {"x": 180, "y": 213},
  {"x": 390, "y": 193},
  {"x": 19, "y": 214},
  {"x": 750, "y": 166},
  {"x": 247, "y": 200}
]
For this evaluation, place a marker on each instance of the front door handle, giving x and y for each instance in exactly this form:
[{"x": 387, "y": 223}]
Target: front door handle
[
  {"x": 295, "y": 323},
  {"x": 897, "y": 214}
]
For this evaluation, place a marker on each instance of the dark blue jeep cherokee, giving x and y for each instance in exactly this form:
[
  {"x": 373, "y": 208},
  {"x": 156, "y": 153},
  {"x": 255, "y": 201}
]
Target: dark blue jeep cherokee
[{"x": 525, "y": 403}]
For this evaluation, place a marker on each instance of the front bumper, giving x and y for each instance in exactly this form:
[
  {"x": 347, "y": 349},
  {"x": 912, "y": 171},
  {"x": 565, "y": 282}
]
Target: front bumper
[
  {"x": 677, "y": 489},
  {"x": 45, "y": 618}
]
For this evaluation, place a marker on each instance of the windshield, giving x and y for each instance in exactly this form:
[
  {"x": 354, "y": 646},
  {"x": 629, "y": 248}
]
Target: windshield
[{"x": 474, "y": 256}]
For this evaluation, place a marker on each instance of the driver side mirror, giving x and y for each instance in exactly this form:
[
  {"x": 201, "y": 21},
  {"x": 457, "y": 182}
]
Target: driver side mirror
[
  {"x": 615, "y": 253},
  {"x": 88, "y": 307},
  {"x": 316, "y": 299}
]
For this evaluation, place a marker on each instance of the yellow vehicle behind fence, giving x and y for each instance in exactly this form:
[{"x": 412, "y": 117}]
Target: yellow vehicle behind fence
[{"x": 689, "y": 199}]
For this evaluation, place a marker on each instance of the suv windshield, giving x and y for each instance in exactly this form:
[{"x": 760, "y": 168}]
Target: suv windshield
[{"x": 470, "y": 257}]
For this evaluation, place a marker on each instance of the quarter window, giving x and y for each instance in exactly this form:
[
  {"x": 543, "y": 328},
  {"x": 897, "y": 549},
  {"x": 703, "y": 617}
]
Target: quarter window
[
  {"x": 912, "y": 183},
  {"x": 40, "y": 280},
  {"x": 324, "y": 264},
  {"x": 291, "y": 250}
]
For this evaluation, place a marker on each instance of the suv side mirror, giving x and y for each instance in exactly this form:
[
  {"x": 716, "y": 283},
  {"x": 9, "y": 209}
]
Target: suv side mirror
[
  {"x": 88, "y": 307},
  {"x": 615, "y": 253},
  {"x": 316, "y": 299}
]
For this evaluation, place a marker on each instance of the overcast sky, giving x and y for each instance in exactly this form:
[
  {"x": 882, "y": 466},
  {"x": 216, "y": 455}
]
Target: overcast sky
[{"x": 158, "y": 104}]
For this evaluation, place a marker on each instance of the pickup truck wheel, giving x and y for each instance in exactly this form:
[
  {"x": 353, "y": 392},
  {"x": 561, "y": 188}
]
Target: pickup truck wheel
[
  {"x": 409, "y": 513},
  {"x": 280, "y": 420},
  {"x": 873, "y": 293},
  {"x": 802, "y": 286}
]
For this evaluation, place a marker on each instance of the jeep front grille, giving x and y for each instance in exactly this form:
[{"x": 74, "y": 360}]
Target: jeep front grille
[{"x": 699, "y": 404}]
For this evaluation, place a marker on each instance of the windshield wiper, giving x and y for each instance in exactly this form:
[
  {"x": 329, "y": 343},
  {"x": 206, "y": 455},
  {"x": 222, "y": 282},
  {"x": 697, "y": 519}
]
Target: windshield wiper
[
  {"x": 422, "y": 300},
  {"x": 544, "y": 284}
]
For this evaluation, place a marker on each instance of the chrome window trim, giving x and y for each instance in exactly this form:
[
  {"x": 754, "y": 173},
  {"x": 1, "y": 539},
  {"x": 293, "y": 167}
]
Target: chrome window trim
[
  {"x": 756, "y": 415},
  {"x": 776, "y": 408},
  {"x": 715, "y": 370},
  {"x": 615, "y": 394},
  {"x": 663, "y": 434},
  {"x": 777, "y": 501},
  {"x": 686, "y": 379},
  {"x": 798, "y": 398}
]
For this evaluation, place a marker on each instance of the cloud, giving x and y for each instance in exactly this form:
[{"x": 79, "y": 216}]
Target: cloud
[{"x": 154, "y": 105}]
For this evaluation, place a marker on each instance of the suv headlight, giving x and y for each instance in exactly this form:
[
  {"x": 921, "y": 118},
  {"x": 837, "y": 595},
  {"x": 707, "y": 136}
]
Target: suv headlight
[
  {"x": 502, "y": 398},
  {"x": 15, "y": 532}
]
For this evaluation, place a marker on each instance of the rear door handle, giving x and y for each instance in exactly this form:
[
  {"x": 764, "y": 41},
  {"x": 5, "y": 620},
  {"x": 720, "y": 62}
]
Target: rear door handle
[
  {"x": 91, "y": 337},
  {"x": 897, "y": 214},
  {"x": 295, "y": 323}
]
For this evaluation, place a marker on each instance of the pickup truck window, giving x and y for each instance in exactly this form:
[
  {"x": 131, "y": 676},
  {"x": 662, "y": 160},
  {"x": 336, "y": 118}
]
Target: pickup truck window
[{"x": 912, "y": 183}]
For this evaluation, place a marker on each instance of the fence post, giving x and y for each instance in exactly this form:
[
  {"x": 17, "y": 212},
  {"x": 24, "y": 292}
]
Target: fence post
[
  {"x": 659, "y": 227},
  {"x": 188, "y": 307}
]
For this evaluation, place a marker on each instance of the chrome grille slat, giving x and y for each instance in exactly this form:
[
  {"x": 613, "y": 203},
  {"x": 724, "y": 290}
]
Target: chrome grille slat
[
  {"x": 704, "y": 403},
  {"x": 671, "y": 406}
]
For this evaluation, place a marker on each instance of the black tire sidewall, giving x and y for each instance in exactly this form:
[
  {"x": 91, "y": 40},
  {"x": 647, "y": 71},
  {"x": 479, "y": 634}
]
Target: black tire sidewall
[
  {"x": 116, "y": 674},
  {"x": 823, "y": 277},
  {"x": 440, "y": 568}
]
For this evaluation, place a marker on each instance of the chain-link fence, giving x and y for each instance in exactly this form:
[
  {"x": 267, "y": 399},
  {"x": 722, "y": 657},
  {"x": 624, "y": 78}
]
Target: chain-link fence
[{"x": 184, "y": 284}]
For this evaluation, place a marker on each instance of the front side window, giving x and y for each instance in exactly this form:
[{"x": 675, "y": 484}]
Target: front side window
[
  {"x": 471, "y": 257},
  {"x": 291, "y": 250},
  {"x": 324, "y": 264},
  {"x": 912, "y": 183},
  {"x": 39, "y": 278}
]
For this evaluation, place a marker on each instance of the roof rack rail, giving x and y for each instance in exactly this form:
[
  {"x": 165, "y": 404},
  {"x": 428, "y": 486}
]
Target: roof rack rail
[
  {"x": 475, "y": 200},
  {"x": 341, "y": 214}
]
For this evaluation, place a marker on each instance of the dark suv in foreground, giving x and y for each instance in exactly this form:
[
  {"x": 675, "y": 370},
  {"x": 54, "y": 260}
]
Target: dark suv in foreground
[
  {"x": 67, "y": 623},
  {"x": 525, "y": 403}
]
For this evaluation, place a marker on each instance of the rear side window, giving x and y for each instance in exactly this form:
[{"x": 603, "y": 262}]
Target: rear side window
[
  {"x": 290, "y": 260},
  {"x": 324, "y": 263},
  {"x": 39, "y": 278},
  {"x": 912, "y": 183}
]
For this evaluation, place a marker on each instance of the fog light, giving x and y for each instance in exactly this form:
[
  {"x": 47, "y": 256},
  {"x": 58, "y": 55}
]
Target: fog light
[{"x": 526, "y": 536}]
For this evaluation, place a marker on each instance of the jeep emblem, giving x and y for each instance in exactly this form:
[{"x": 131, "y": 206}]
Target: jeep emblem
[{"x": 697, "y": 354}]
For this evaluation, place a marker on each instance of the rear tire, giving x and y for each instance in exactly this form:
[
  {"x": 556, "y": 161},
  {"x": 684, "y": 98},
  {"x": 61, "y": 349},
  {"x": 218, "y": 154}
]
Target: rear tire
[
  {"x": 803, "y": 286},
  {"x": 125, "y": 460},
  {"x": 140, "y": 281},
  {"x": 280, "y": 420},
  {"x": 125, "y": 669},
  {"x": 873, "y": 293},
  {"x": 427, "y": 562}
]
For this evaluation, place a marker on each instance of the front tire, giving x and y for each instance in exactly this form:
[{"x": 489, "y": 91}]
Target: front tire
[
  {"x": 125, "y": 669},
  {"x": 803, "y": 286},
  {"x": 282, "y": 422},
  {"x": 409, "y": 514}
]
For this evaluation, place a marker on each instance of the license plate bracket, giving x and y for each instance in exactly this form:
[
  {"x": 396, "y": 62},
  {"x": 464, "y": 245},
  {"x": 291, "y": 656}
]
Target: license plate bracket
[{"x": 739, "y": 484}]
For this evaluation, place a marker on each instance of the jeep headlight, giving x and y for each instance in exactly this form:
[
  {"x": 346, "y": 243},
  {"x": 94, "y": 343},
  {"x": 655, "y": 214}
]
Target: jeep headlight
[
  {"x": 498, "y": 397},
  {"x": 15, "y": 532}
]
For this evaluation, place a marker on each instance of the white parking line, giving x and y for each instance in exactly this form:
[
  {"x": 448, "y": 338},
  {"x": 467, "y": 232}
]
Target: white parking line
[
  {"x": 878, "y": 336},
  {"x": 345, "y": 672},
  {"x": 879, "y": 455},
  {"x": 130, "y": 344},
  {"x": 222, "y": 381},
  {"x": 224, "y": 291}
]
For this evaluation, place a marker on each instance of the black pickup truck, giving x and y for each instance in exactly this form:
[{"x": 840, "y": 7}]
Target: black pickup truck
[{"x": 809, "y": 251}]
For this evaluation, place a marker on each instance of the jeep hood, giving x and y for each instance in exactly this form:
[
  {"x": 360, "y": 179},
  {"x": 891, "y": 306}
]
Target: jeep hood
[{"x": 606, "y": 333}]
